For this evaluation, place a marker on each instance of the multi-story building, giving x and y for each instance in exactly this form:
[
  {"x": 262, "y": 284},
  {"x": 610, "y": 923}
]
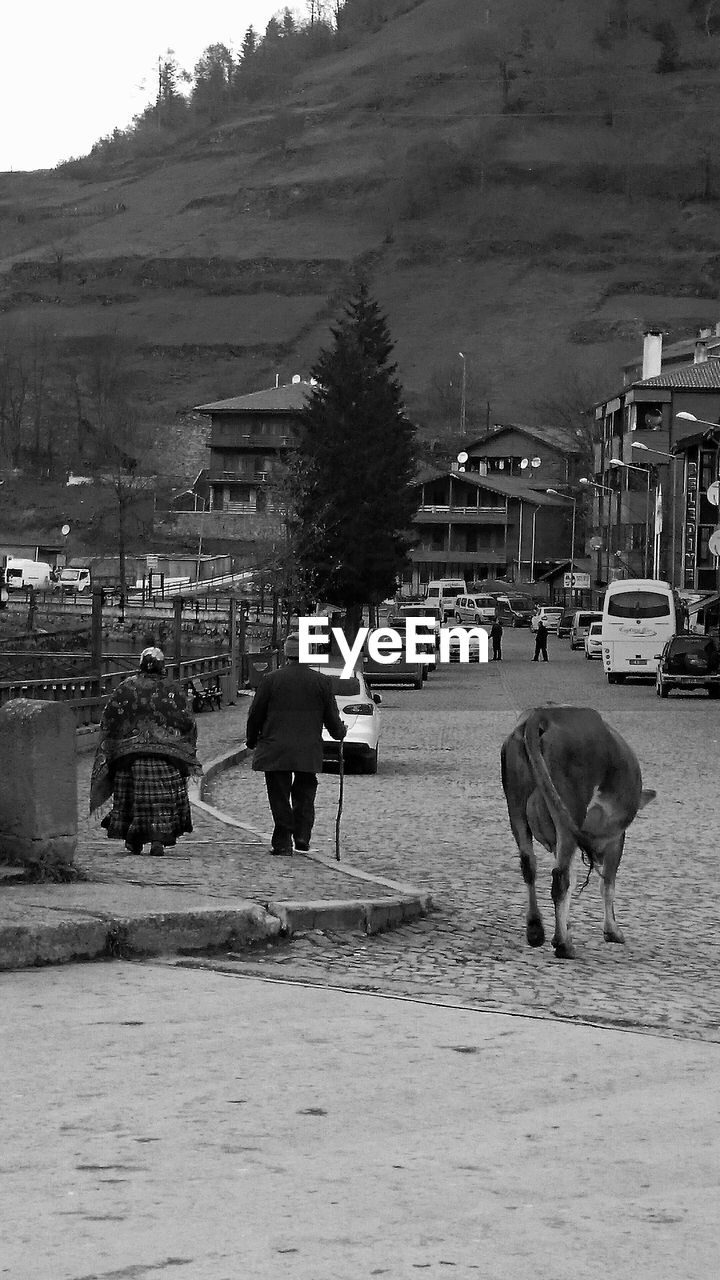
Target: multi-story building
[
  {"x": 640, "y": 511},
  {"x": 249, "y": 434},
  {"x": 476, "y": 526},
  {"x": 541, "y": 456}
]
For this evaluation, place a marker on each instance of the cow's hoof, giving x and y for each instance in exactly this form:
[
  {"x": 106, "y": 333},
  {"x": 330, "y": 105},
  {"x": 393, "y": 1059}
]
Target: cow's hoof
[
  {"x": 617, "y": 936},
  {"x": 535, "y": 933},
  {"x": 564, "y": 950}
]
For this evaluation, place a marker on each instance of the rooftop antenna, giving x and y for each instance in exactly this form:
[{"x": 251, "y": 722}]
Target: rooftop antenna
[{"x": 277, "y": 380}]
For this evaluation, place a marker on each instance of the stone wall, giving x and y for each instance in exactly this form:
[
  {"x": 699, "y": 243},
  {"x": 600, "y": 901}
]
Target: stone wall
[{"x": 38, "y": 783}]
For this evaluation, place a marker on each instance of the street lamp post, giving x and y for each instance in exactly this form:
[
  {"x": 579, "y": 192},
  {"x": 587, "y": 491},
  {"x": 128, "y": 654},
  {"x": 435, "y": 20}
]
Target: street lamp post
[
  {"x": 644, "y": 471},
  {"x": 569, "y": 498},
  {"x": 637, "y": 444},
  {"x": 594, "y": 484},
  {"x": 462, "y": 395}
]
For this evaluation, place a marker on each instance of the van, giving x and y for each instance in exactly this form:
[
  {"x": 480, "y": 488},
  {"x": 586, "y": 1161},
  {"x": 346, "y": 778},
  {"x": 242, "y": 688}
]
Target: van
[
  {"x": 581, "y": 624},
  {"x": 26, "y": 573},
  {"x": 515, "y": 611},
  {"x": 443, "y": 592},
  {"x": 75, "y": 580},
  {"x": 475, "y": 609}
]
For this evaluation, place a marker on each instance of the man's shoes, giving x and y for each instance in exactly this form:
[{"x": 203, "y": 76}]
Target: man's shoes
[
  {"x": 302, "y": 846},
  {"x": 281, "y": 853},
  {"x": 133, "y": 846},
  {"x": 157, "y": 850}
]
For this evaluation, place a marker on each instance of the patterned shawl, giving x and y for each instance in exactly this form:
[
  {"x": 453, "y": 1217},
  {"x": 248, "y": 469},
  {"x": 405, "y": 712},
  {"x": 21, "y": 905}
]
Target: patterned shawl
[{"x": 147, "y": 715}]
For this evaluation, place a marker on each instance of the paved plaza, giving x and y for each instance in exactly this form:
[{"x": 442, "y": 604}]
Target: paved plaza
[{"x": 435, "y": 816}]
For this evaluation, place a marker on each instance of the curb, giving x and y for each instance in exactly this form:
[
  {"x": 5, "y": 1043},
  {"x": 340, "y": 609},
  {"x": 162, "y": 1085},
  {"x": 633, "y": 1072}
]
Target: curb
[
  {"x": 371, "y": 915},
  {"x": 117, "y": 938}
]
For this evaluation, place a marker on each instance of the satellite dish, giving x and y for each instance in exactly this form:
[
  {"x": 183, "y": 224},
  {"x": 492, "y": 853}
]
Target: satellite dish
[
  {"x": 524, "y": 462},
  {"x": 295, "y": 379},
  {"x": 596, "y": 543},
  {"x": 65, "y": 530},
  {"x": 713, "y": 493},
  {"x": 536, "y": 462},
  {"x": 714, "y": 543},
  {"x": 462, "y": 457}
]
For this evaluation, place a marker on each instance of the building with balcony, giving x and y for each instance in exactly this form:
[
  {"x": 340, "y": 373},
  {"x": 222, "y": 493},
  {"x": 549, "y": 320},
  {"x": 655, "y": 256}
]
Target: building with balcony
[
  {"x": 249, "y": 435},
  {"x": 476, "y": 527},
  {"x": 640, "y": 509},
  {"x": 540, "y": 456}
]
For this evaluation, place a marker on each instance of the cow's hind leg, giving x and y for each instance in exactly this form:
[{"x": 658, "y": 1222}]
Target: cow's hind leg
[
  {"x": 611, "y": 860},
  {"x": 563, "y": 883},
  {"x": 518, "y": 786},
  {"x": 534, "y": 928}
]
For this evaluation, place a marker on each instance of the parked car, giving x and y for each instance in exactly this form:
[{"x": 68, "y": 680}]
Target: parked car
[
  {"x": 689, "y": 662},
  {"x": 399, "y": 672},
  {"x": 419, "y": 611},
  {"x": 565, "y": 624},
  {"x": 455, "y": 649},
  {"x": 399, "y": 624},
  {"x": 593, "y": 641},
  {"x": 582, "y": 621},
  {"x": 550, "y": 614},
  {"x": 360, "y": 711},
  {"x": 514, "y": 611},
  {"x": 475, "y": 609}
]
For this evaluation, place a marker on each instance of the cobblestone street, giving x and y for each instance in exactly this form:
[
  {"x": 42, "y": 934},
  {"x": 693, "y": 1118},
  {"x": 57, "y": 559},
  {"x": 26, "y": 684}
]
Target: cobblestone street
[{"x": 435, "y": 816}]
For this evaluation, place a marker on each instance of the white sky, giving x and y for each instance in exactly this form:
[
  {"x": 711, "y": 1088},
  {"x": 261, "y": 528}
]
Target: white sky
[{"x": 73, "y": 70}]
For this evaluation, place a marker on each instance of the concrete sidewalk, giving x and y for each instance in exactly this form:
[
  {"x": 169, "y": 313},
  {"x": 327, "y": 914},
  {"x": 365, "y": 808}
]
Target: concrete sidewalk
[{"x": 219, "y": 888}]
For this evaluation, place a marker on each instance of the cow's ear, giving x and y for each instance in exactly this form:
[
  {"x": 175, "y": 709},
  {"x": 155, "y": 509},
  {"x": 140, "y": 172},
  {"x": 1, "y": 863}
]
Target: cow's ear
[{"x": 645, "y": 798}]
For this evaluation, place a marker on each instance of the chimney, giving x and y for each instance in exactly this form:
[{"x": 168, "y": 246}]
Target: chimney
[
  {"x": 700, "y": 352},
  {"x": 652, "y": 354}
]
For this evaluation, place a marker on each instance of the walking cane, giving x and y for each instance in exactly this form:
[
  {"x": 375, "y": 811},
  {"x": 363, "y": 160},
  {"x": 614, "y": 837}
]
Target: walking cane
[{"x": 341, "y": 763}]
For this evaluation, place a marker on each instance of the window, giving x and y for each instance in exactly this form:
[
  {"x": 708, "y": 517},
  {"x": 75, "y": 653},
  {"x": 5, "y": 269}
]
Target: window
[{"x": 638, "y": 604}]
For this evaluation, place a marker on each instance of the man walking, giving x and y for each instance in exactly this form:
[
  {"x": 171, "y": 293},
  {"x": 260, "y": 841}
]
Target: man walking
[
  {"x": 496, "y": 637},
  {"x": 284, "y": 726},
  {"x": 541, "y": 636}
]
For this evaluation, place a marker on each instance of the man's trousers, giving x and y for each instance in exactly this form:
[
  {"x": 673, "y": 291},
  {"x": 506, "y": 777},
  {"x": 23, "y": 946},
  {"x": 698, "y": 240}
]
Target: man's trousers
[{"x": 292, "y": 804}]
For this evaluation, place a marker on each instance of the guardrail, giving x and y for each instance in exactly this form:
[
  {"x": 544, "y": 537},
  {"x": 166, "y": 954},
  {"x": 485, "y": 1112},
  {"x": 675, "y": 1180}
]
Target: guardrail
[{"x": 88, "y": 694}]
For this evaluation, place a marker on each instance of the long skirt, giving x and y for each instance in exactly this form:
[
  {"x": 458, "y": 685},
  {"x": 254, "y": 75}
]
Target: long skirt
[{"x": 150, "y": 802}]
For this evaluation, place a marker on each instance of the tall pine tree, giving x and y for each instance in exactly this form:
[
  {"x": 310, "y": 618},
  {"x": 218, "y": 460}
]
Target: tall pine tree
[{"x": 354, "y": 465}]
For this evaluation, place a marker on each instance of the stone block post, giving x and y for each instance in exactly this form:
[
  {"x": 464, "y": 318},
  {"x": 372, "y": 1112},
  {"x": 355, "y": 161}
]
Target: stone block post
[{"x": 38, "y": 783}]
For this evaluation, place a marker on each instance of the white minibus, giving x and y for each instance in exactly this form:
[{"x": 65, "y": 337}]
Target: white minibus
[{"x": 639, "y": 615}]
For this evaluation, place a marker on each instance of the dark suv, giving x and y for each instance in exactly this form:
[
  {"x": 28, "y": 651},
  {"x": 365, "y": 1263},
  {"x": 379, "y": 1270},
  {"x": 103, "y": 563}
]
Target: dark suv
[{"x": 689, "y": 662}]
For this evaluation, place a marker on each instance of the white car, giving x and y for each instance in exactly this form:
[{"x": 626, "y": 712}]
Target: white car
[
  {"x": 475, "y": 609},
  {"x": 593, "y": 641},
  {"x": 550, "y": 614},
  {"x": 360, "y": 712}
]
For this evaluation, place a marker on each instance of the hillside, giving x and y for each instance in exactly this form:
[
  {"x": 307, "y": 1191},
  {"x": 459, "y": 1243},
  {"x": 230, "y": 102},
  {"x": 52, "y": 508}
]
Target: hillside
[{"x": 517, "y": 180}]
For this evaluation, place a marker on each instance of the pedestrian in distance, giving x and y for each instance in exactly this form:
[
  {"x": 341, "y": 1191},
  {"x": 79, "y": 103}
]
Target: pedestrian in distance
[
  {"x": 284, "y": 729},
  {"x": 147, "y": 751},
  {"x": 496, "y": 631},
  {"x": 541, "y": 636}
]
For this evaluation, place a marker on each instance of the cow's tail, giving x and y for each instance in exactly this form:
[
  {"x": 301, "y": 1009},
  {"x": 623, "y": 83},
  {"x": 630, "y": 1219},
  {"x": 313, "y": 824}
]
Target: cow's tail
[{"x": 535, "y": 726}]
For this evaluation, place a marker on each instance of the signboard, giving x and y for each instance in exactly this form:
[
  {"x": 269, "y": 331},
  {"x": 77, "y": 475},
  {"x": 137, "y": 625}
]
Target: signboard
[{"x": 577, "y": 581}]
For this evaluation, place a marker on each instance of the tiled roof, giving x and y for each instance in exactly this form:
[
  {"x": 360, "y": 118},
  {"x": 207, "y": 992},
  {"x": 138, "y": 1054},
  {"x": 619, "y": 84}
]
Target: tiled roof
[
  {"x": 556, "y": 437},
  {"x": 289, "y": 398},
  {"x": 506, "y": 485},
  {"x": 705, "y": 376}
]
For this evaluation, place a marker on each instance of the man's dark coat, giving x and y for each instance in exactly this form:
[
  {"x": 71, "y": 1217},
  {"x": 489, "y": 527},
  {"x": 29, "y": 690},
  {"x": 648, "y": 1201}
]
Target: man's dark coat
[{"x": 286, "y": 719}]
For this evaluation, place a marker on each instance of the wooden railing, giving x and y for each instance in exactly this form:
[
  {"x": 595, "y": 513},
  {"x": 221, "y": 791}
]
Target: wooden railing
[{"x": 88, "y": 694}]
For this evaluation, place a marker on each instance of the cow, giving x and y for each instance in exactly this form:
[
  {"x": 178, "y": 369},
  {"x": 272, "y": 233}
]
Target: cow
[{"x": 570, "y": 781}]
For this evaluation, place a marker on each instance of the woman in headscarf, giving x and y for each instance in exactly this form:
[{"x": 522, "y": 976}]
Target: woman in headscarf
[{"x": 147, "y": 750}]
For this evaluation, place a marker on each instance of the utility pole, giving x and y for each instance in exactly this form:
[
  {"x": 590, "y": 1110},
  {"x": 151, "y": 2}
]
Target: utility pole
[{"x": 462, "y": 395}]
